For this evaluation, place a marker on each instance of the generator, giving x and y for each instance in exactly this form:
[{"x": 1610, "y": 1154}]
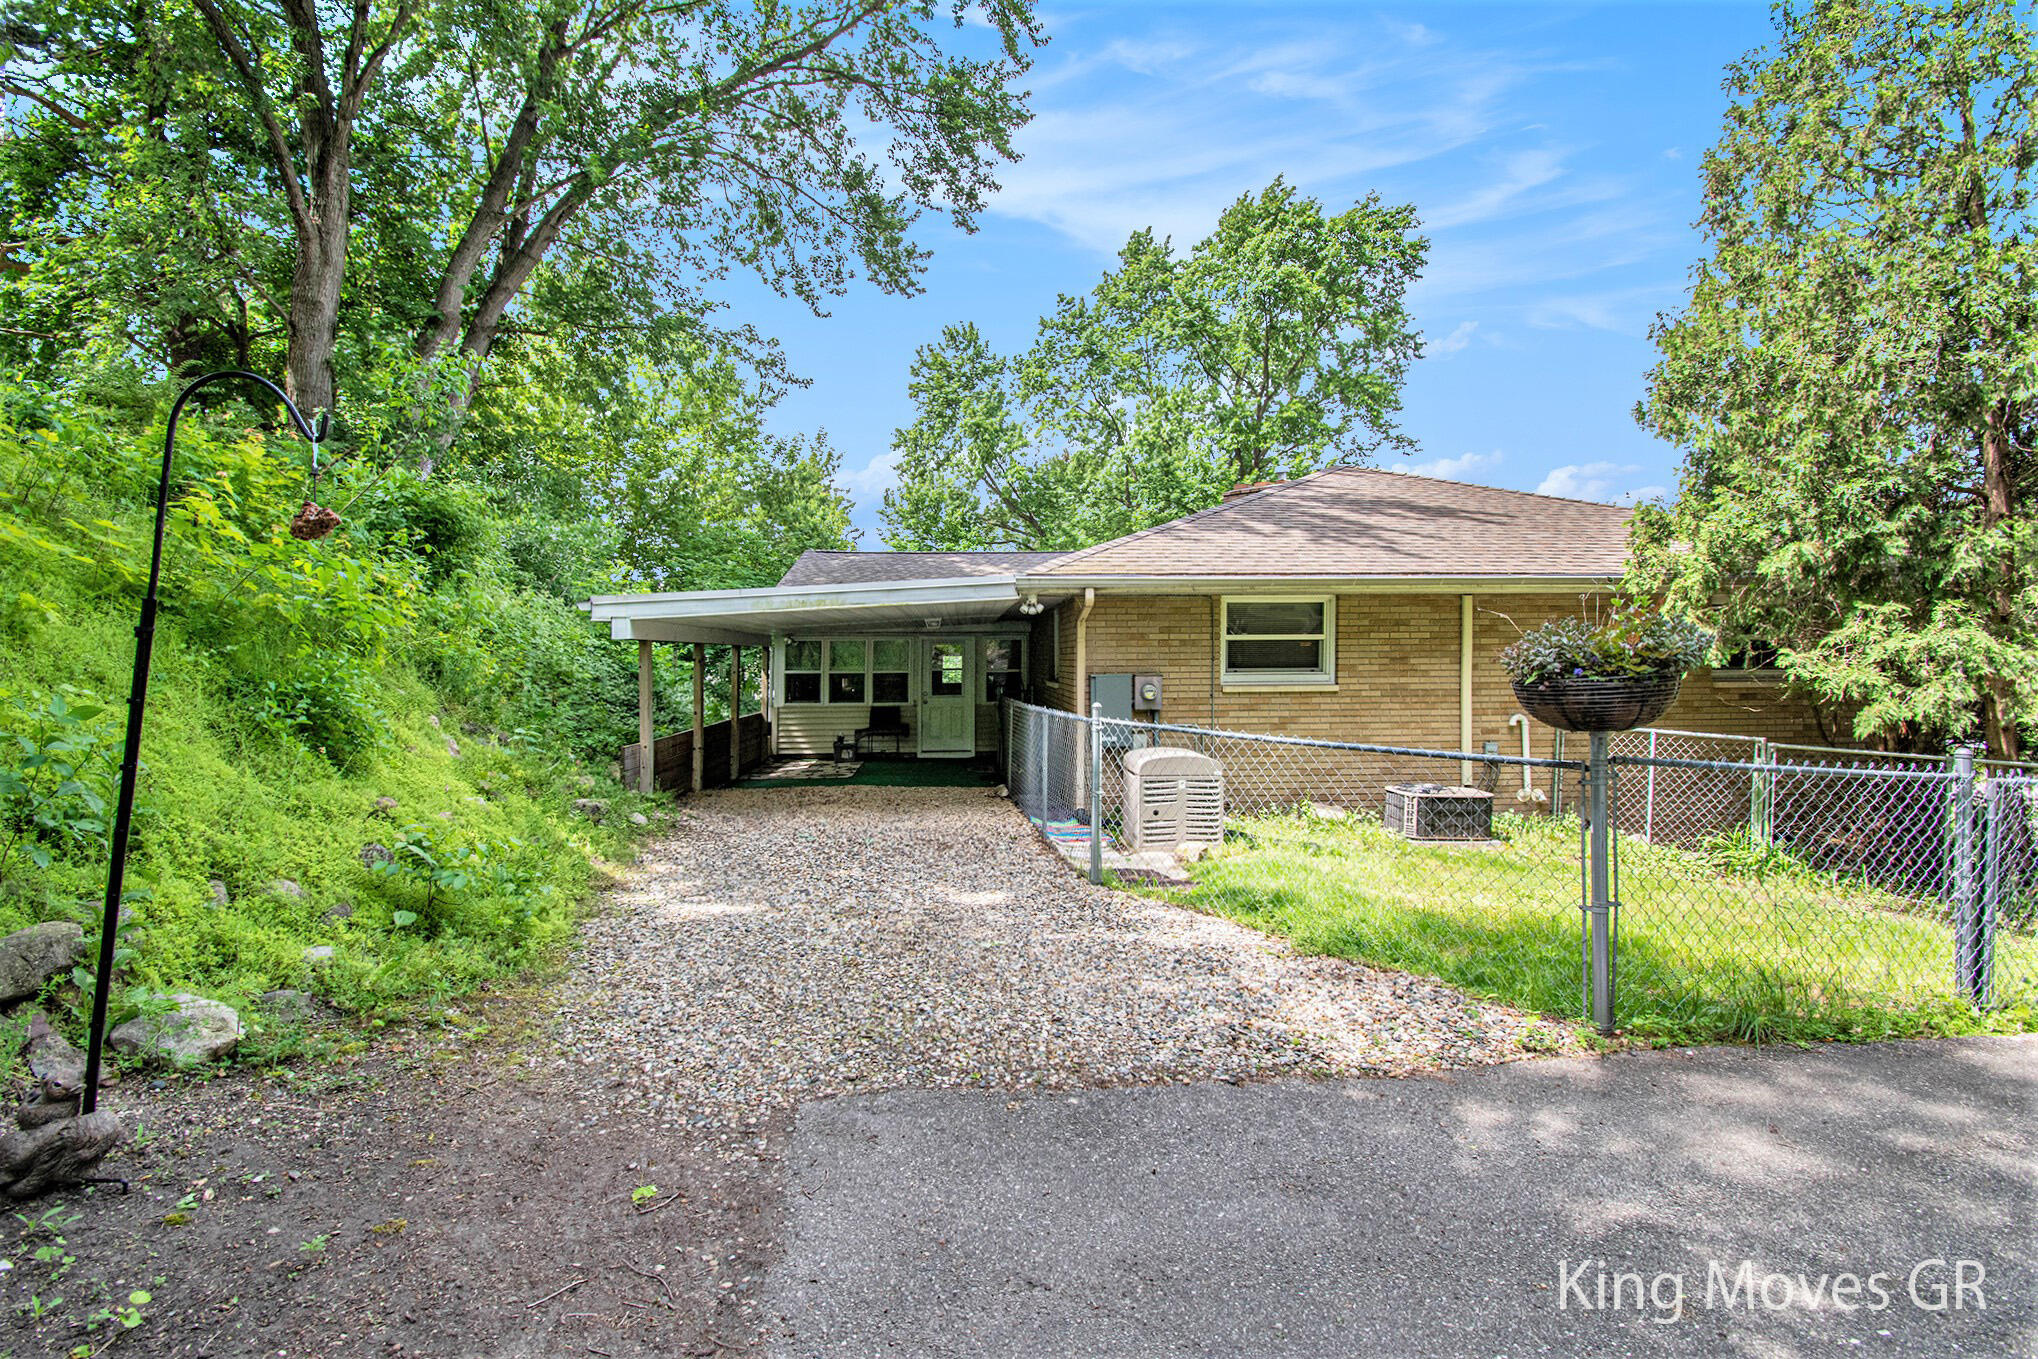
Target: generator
[
  {"x": 1172, "y": 795},
  {"x": 1437, "y": 811}
]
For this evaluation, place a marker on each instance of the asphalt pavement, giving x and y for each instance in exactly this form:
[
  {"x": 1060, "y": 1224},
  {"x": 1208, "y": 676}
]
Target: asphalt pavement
[{"x": 1874, "y": 1200}]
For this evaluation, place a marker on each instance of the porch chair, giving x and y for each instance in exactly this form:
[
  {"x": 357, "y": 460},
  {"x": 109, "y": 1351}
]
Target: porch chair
[{"x": 887, "y": 724}]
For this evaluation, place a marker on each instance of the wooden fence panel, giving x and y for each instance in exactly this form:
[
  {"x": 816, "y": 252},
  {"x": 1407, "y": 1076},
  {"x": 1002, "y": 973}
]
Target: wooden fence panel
[{"x": 672, "y": 756}]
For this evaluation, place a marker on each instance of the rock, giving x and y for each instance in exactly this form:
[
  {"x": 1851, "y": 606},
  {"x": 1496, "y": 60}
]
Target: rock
[
  {"x": 639, "y": 819},
  {"x": 434, "y": 720},
  {"x": 593, "y": 808},
  {"x": 58, "y": 1072},
  {"x": 384, "y": 807},
  {"x": 373, "y": 854},
  {"x": 318, "y": 953},
  {"x": 452, "y": 747},
  {"x": 30, "y": 957},
  {"x": 57, "y": 1155},
  {"x": 340, "y": 910},
  {"x": 219, "y": 893},
  {"x": 1001, "y": 791},
  {"x": 1324, "y": 811},
  {"x": 198, "y": 1030},
  {"x": 1188, "y": 851},
  {"x": 286, "y": 888},
  {"x": 294, "y": 1007}
]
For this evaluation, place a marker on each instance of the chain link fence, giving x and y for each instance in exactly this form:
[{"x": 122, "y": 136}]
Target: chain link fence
[{"x": 1751, "y": 896}]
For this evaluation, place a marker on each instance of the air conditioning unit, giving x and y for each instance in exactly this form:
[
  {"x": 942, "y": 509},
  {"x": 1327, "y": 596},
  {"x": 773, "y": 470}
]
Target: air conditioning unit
[
  {"x": 1171, "y": 796},
  {"x": 1436, "y": 811}
]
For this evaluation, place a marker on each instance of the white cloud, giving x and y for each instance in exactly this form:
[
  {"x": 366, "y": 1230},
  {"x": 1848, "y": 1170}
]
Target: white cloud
[
  {"x": 1459, "y": 468},
  {"x": 1165, "y": 133},
  {"x": 1454, "y": 341},
  {"x": 1601, "y": 481},
  {"x": 874, "y": 478}
]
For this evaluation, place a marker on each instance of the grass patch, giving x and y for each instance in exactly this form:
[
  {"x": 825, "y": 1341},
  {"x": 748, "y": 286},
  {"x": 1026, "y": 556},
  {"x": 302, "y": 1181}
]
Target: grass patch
[{"x": 1704, "y": 954}]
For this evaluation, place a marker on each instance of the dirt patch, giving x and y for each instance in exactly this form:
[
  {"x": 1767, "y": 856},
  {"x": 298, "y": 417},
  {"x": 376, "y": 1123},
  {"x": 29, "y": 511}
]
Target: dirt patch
[{"x": 438, "y": 1196}]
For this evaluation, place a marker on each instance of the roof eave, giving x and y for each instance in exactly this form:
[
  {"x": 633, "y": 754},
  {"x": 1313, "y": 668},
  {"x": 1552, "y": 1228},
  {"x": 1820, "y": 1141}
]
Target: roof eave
[{"x": 1457, "y": 583}]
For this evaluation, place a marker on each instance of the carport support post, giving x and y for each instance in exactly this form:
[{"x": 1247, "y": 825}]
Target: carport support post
[
  {"x": 700, "y": 713},
  {"x": 1599, "y": 914},
  {"x": 1096, "y": 792},
  {"x": 646, "y": 714},
  {"x": 1970, "y": 933},
  {"x": 735, "y": 713}
]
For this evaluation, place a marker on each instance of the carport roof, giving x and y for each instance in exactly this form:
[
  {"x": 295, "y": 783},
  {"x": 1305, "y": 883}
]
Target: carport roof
[{"x": 751, "y": 617}]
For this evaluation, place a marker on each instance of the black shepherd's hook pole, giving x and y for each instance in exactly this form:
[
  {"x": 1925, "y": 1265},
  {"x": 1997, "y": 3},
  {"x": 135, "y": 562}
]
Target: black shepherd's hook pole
[{"x": 130, "y": 764}]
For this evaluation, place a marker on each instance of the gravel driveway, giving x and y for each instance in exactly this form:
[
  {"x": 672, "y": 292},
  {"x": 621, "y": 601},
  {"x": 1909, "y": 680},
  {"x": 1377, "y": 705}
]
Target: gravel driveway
[{"x": 792, "y": 943}]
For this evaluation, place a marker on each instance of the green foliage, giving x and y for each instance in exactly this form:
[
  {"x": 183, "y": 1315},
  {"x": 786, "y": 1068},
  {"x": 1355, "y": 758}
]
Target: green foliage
[
  {"x": 422, "y": 861},
  {"x": 1854, "y": 378},
  {"x": 57, "y": 770},
  {"x": 1621, "y": 646},
  {"x": 1275, "y": 347}
]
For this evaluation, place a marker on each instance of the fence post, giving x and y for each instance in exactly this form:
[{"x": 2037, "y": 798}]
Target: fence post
[
  {"x": 1096, "y": 792},
  {"x": 1994, "y": 874},
  {"x": 1760, "y": 792},
  {"x": 1649, "y": 799},
  {"x": 1970, "y": 941},
  {"x": 1040, "y": 770},
  {"x": 1599, "y": 912}
]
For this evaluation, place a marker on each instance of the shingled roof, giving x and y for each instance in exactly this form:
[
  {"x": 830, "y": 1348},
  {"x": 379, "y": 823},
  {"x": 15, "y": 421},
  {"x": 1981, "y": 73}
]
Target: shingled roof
[
  {"x": 1361, "y": 522},
  {"x": 871, "y": 568}
]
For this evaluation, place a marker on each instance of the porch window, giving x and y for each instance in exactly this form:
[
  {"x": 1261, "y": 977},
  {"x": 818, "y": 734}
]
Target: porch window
[
  {"x": 846, "y": 678},
  {"x": 1288, "y": 640},
  {"x": 891, "y": 670},
  {"x": 802, "y": 672},
  {"x": 1001, "y": 669}
]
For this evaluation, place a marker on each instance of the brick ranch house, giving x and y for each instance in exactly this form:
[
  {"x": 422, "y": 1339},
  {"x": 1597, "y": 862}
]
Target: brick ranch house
[{"x": 1352, "y": 604}]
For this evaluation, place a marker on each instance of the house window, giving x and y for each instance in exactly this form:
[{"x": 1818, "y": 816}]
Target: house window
[
  {"x": 1281, "y": 640},
  {"x": 1001, "y": 669},
  {"x": 891, "y": 671},
  {"x": 846, "y": 678},
  {"x": 802, "y": 672}
]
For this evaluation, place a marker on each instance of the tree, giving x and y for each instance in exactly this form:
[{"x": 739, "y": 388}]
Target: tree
[
  {"x": 670, "y": 141},
  {"x": 1855, "y": 376},
  {"x": 1275, "y": 347}
]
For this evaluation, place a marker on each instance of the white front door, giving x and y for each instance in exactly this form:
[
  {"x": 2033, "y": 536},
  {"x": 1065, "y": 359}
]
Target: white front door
[{"x": 948, "y": 710}]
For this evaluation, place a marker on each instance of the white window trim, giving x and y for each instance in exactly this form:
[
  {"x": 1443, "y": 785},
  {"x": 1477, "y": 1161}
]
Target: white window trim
[
  {"x": 871, "y": 671},
  {"x": 1324, "y": 677}
]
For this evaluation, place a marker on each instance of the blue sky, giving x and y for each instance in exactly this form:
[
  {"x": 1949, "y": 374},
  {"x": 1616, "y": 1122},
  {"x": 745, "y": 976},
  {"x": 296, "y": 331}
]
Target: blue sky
[{"x": 1552, "y": 151}]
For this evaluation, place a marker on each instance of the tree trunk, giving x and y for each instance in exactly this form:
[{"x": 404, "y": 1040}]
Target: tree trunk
[{"x": 321, "y": 268}]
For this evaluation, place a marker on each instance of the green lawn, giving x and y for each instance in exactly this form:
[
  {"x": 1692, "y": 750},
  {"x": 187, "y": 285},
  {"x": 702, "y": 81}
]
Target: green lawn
[{"x": 1705, "y": 953}]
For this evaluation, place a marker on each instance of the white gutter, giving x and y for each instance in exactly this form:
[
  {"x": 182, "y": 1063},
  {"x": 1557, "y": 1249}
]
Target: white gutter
[
  {"x": 1339, "y": 584},
  {"x": 781, "y": 599}
]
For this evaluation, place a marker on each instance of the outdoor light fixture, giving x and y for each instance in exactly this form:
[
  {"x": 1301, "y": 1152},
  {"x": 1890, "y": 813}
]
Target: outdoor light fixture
[
  {"x": 311, "y": 522},
  {"x": 930, "y": 623},
  {"x": 1031, "y": 605}
]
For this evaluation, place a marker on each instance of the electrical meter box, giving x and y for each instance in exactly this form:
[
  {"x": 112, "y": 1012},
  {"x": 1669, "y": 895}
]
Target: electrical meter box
[
  {"x": 1114, "y": 692},
  {"x": 1146, "y": 693}
]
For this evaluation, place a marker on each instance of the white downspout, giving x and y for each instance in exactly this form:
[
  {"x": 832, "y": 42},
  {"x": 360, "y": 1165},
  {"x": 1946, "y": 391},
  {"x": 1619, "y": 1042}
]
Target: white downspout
[
  {"x": 1081, "y": 683},
  {"x": 1465, "y": 685},
  {"x": 1527, "y": 774}
]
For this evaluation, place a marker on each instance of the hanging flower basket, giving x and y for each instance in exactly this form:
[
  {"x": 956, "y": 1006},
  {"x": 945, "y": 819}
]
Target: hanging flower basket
[
  {"x": 1572, "y": 704},
  {"x": 1610, "y": 674}
]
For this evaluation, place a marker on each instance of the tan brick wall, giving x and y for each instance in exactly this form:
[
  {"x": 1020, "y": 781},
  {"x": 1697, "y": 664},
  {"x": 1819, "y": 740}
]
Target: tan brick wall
[
  {"x": 1059, "y": 691},
  {"x": 1397, "y": 673}
]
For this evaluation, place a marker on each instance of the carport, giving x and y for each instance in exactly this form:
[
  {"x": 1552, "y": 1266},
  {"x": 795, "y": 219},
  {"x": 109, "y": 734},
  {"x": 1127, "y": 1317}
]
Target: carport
[{"x": 937, "y": 652}]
